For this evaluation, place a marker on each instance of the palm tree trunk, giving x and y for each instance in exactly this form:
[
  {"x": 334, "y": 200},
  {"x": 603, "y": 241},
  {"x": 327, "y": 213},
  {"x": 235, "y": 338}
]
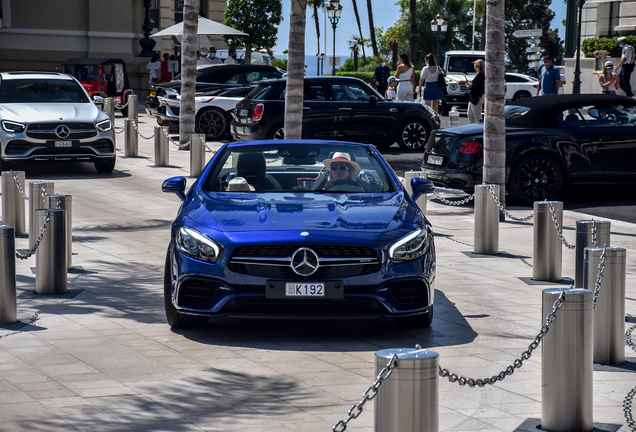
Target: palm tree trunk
[
  {"x": 317, "y": 22},
  {"x": 494, "y": 170},
  {"x": 413, "y": 35},
  {"x": 189, "y": 46},
  {"x": 374, "y": 43},
  {"x": 295, "y": 70},
  {"x": 248, "y": 53},
  {"x": 355, "y": 11}
]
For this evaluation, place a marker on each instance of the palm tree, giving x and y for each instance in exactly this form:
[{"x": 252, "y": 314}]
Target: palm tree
[
  {"x": 393, "y": 44},
  {"x": 494, "y": 170},
  {"x": 316, "y": 4},
  {"x": 374, "y": 43},
  {"x": 295, "y": 70},
  {"x": 355, "y": 11},
  {"x": 189, "y": 46},
  {"x": 353, "y": 46},
  {"x": 413, "y": 35}
]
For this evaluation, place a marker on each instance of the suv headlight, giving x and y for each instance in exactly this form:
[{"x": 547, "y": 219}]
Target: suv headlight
[
  {"x": 411, "y": 246},
  {"x": 13, "y": 127},
  {"x": 104, "y": 126},
  {"x": 197, "y": 245},
  {"x": 453, "y": 86}
]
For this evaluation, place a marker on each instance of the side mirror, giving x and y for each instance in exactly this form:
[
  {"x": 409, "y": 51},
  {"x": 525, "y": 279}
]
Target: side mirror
[
  {"x": 373, "y": 99},
  {"x": 175, "y": 185},
  {"x": 99, "y": 101},
  {"x": 421, "y": 187}
]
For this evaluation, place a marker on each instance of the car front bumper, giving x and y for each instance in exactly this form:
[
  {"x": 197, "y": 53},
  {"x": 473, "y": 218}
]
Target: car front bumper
[{"x": 20, "y": 147}]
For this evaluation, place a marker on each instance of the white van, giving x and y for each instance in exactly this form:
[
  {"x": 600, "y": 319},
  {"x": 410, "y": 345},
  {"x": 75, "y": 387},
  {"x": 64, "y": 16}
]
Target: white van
[{"x": 258, "y": 58}]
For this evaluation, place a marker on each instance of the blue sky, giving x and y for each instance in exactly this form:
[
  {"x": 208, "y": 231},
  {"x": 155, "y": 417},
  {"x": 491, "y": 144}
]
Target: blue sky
[{"x": 385, "y": 14}]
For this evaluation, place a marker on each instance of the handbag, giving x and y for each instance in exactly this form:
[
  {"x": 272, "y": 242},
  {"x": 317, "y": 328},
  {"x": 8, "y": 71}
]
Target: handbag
[{"x": 441, "y": 82}]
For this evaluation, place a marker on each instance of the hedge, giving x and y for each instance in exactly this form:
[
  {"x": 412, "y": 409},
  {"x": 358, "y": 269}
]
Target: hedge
[
  {"x": 611, "y": 45},
  {"x": 368, "y": 76}
]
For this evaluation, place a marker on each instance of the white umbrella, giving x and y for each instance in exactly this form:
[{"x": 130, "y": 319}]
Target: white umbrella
[{"x": 206, "y": 27}]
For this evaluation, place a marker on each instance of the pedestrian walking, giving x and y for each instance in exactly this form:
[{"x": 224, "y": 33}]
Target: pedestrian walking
[
  {"x": 609, "y": 81},
  {"x": 406, "y": 79},
  {"x": 549, "y": 77},
  {"x": 429, "y": 78},
  {"x": 626, "y": 66},
  {"x": 173, "y": 66},
  {"x": 381, "y": 76},
  {"x": 154, "y": 66},
  {"x": 166, "y": 76},
  {"x": 477, "y": 89}
]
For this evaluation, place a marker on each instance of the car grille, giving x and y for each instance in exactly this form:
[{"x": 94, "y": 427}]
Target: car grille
[
  {"x": 274, "y": 262},
  {"x": 46, "y": 131},
  {"x": 20, "y": 147}
]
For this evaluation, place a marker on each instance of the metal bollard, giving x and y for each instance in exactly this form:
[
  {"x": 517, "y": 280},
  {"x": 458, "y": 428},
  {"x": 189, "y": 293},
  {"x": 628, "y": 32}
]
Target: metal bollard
[
  {"x": 8, "y": 308},
  {"x": 133, "y": 107},
  {"x": 13, "y": 203},
  {"x": 486, "y": 232},
  {"x": 408, "y": 400},
  {"x": 131, "y": 146},
  {"x": 546, "y": 246},
  {"x": 50, "y": 256},
  {"x": 37, "y": 192},
  {"x": 162, "y": 146},
  {"x": 609, "y": 317},
  {"x": 64, "y": 202},
  {"x": 421, "y": 201},
  {"x": 109, "y": 109},
  {"x": 566, "y": 363},
  {"x": 584, "y": 240},
  {"x": 197, "y": 154}
]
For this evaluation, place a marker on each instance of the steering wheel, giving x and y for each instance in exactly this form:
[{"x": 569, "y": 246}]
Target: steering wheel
[
  {"x": 347, "y": 182},
  {"x": 611, "y": 117}
]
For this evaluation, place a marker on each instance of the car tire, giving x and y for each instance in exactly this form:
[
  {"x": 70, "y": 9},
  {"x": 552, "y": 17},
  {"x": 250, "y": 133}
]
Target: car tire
[
  {"x": 536, "y": 177},
  {"x": 175, "y": 318},
  {"x": 413, "y": 134},
  {"x": 124, "y": 111},
  {"x": 277, "y": 132},
  {"x": 521, "y": 95},
  {"x": 106, "y": 167},
  {"x": 420, "y": 321},
  {"x": 212, "y": 122}
]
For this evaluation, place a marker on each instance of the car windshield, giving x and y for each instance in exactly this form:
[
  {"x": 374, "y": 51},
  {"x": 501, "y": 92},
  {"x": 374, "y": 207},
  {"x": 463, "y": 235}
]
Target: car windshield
[
  {"x": 285, "y": 167},
  {"x": 463, "y": 64},
  {"x": 515, "y": 112},
  {"x": 41, "y": 91}
]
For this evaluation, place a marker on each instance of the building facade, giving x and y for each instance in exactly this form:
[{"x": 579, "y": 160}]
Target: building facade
[{"x": 38, "y": 35}]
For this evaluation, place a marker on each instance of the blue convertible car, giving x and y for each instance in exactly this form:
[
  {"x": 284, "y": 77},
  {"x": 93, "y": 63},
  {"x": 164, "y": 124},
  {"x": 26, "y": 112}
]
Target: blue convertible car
[{"x": 299, "y": 228}]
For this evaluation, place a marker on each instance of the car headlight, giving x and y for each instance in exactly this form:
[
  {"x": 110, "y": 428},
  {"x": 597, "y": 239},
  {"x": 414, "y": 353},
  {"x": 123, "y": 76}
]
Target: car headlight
[
  {"x": 104, "y": 126},
  {"x": 411, "y": 246},
  {"x": 453, "y": 86},
  {"x": 197, "y": 245},
  {"x": 13, "y": 127}
]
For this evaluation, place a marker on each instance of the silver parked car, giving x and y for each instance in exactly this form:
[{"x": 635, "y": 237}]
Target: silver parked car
[{"x": 46, "y": 116}]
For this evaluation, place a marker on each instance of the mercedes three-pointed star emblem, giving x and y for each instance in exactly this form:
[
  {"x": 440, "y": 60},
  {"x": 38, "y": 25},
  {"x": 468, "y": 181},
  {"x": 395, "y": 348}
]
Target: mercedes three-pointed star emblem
[
  {"x": 62, "y": 131},
  {"x": 305, "y": 262}
]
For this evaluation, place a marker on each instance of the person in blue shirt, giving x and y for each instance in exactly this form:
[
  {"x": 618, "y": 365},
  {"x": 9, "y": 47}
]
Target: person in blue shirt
[{"x": 549, "y": 78}]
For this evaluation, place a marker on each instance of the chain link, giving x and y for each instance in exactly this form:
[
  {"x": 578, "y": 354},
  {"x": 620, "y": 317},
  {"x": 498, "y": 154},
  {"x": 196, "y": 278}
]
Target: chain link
[
  {"x": 455, "y": 203},
  {"x": 43, "y": 192},
  {"x": 17, "y": 183},
  {"x": 628, "y": 338},
  {"x": 593, "y": 233},
  {"x": 627, "y": 409},
  {"x": 503, "y": 209},
  {"x": 32, "y": 321},
  {"x": 558, "y": 229},
  {"x": 599, "y": 277},
  {"x": 30, "y": 252},
  {"x": 134, "y": 123},
  {"x": 517, "y": 363},
  {"x": 368, "y": 395},
  {"x": 119, "y": 130}
]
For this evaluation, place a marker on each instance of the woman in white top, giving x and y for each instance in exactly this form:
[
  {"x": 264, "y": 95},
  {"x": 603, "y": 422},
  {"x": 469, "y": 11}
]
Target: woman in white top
[
  {"x": 406, "y": 78},
  {"x": 428, "y": 78},
  {"x": 609, "y": 81},
  {"x": 154, "y": 66}
]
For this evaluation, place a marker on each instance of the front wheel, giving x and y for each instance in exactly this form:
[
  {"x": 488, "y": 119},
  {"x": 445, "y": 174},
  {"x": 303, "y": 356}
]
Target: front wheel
[
  {"x": 175, "y": 318},
  {"x": 412, "y": 135},
  {"x": 535, "y": 178},
  {"x": 105, "y": 167},
  {"x": 521, "y": 95},
  {"x": 213, "y": 123}
]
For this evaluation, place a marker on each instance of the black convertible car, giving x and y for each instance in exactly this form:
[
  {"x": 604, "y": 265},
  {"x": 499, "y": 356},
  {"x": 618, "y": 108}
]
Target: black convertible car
[{"x": 551, "y": 141}]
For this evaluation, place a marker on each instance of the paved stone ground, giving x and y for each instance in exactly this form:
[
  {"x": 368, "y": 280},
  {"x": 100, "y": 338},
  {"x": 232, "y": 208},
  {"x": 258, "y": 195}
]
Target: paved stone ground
[{"x": 102, "y": 357}]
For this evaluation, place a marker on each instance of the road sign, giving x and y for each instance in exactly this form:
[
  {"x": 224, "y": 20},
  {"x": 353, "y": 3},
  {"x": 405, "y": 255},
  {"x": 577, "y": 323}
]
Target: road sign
[
  {"x": 534, "y": 64},
  {"x": 528, "y": 33},
  {"x": 534, "y": 57},
  {"x": 532, "y": 49}
]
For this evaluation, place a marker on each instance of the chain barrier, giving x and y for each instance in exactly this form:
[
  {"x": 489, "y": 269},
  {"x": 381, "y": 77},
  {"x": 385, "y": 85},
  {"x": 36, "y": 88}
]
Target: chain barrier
[
  {"x": 455, "y": 203},
  {"x": 517, "y": 363},
  {"x": 17, "y": 183},
  {"x": 506, "y": 212},
  {"x": 599, "y": 277},
  {"x": 119, "y": 130},
  {"x": 31, "y": 251},
  {"x": 559, "y": 230},
  {"x": 32, "y": 321},
  {"x": 628, "y": 338},
  {"x": 593, "y": 233},
  {"x": 134, "y": 123},
  {"x": 368, "y": 395},
  {"x": 627, "y": 409},
  {"x": 523, "y": 260}
]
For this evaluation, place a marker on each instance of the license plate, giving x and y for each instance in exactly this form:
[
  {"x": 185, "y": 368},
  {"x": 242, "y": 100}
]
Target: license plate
[
  {"x": 153, "y": 94},
  {"x": 304, "y": 289},
  {"x": 63, "y": 143},
  {"x": 434, "y": 160},
  {"x": 242, "y": 112}
]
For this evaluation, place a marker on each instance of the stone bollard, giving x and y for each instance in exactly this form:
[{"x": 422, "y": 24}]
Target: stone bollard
[
  {"x": 8, "y": 308},
  {"x": 486, "y": 231},
  {"x": 197, "y": 154},
  {"x": 546, "y": 246},
  {"x": 50, "y": 256},
  {"x": 13, "y": 202},
  {"x": 37, "y": 193}
]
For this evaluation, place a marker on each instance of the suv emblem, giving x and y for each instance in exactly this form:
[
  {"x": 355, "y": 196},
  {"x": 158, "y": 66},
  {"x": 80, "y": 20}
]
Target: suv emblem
[
  {"x": 62, "y": 131},
  {"x": 305, "y": 262}
]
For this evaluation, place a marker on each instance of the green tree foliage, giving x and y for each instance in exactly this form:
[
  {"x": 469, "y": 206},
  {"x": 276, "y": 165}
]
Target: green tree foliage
[
  {"x": 588, "y": 46},
  {"x": 258, "y": 18}
]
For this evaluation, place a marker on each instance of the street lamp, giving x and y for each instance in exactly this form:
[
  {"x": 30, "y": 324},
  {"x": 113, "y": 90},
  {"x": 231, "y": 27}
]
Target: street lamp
[
  {"x": 576, "y": 82},
  {"x": 439, "y": 25},
  {"x": 334, "y": 10}
]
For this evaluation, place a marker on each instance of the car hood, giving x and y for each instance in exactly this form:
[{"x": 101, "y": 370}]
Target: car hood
[
  {"x": 289, "y": 211},
  {"x": 460, "y": 76},
  {"x": 51, "y": 112}
]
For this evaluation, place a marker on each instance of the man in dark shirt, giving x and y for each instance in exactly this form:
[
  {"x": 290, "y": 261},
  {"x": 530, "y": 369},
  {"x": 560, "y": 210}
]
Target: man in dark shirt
[{"x": 381, "y": 75}]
